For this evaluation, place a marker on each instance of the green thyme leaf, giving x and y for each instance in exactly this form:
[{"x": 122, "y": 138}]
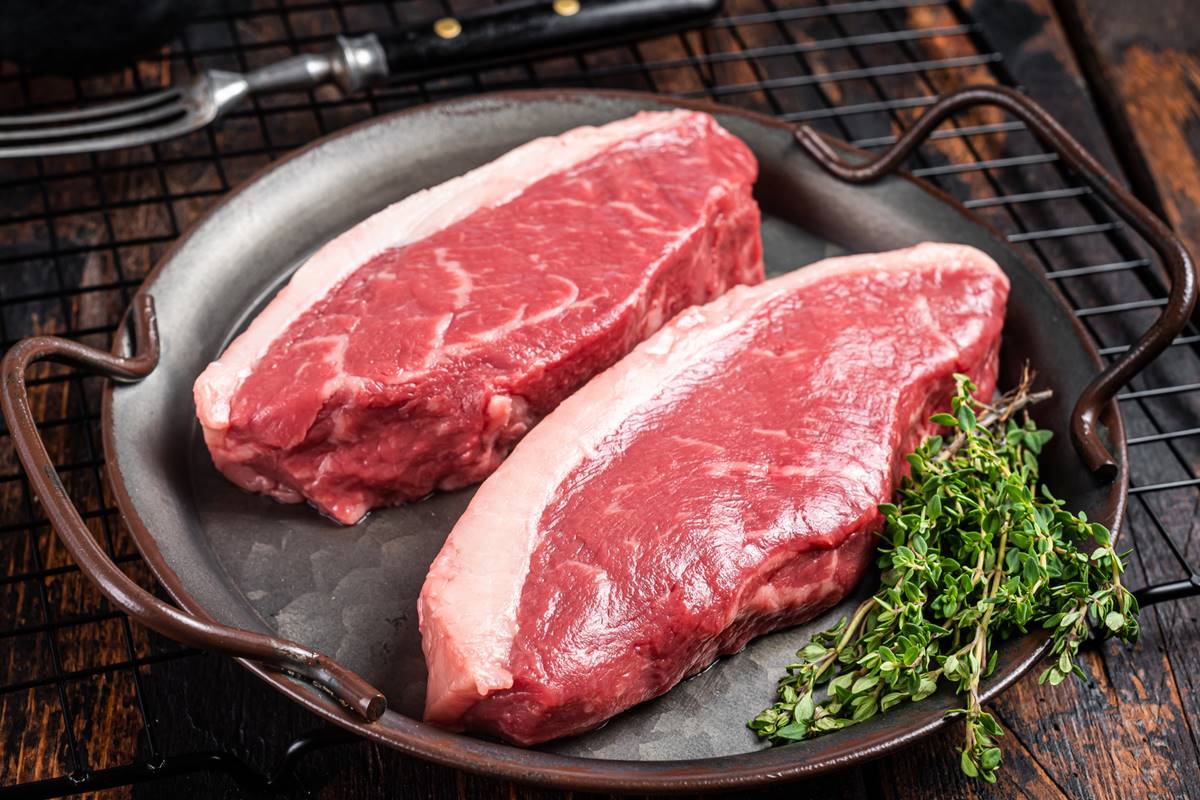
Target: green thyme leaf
[{"x": 974, "y": 550}]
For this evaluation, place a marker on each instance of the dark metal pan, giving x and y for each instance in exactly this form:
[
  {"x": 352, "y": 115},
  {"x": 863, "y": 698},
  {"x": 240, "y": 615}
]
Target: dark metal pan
[{"x": 327, "y": 614}]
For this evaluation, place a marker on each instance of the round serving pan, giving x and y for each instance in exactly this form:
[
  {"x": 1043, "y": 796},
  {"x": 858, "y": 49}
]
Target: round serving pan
[{"x": 327, "y": 614}]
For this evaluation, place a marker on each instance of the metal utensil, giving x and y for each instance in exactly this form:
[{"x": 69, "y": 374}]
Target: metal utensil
[{"x": 517, "y": 28}]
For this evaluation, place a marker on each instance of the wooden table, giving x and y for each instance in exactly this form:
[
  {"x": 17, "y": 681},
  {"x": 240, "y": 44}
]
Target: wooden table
[{"x": 1130, "y": 731}]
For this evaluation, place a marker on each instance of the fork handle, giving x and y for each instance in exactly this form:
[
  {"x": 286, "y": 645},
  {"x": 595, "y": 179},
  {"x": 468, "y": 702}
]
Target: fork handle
[{"x": 533, "y": 26}]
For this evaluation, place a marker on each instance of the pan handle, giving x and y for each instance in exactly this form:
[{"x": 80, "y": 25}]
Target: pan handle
[
  {"x": 1182, "y": 300},
  {"x": 346, "y": 686}
]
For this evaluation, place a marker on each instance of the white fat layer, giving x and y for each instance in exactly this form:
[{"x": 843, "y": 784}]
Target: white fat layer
[
  {"x": 409, "y": 220},
  {"x": 471, "y": 597}
]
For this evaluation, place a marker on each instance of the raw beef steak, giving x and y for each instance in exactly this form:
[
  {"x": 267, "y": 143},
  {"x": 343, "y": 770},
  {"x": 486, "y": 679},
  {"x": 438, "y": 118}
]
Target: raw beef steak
[
  {"x": 719, "y": 482},
  {"x": 410, "y": 353}
]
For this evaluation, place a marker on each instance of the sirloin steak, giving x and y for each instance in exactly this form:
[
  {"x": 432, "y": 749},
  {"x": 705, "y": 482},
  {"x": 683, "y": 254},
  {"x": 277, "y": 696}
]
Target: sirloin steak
[
  {"x": 411, "y": 352},
  {"x": 719, "y": 482}
]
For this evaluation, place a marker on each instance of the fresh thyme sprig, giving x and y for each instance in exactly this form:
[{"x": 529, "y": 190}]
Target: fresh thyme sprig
[{"x": 974, "y": 551}]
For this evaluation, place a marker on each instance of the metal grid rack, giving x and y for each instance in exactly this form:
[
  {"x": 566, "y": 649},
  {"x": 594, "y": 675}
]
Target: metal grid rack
[{"x": 77, "y": 234}]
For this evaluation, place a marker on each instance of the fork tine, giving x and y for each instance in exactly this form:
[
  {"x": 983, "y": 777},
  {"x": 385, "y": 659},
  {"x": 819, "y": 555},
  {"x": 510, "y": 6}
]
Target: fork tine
[
  {"x": 142, "y": 120},
  {"x": 128, "y": 120},
  {"x": 115, "y": 141},
  {"x": 92, "y": 112}
]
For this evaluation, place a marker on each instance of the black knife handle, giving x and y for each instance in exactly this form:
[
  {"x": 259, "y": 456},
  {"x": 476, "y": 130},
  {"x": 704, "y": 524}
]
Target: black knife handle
[{"x": 528, "y": 26}]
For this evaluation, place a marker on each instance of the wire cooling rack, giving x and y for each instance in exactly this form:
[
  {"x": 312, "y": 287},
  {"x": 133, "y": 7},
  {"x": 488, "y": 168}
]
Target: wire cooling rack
[{"x": 87, "y": 700}]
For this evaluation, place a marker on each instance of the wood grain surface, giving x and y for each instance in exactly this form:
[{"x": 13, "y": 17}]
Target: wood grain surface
[
  {"x": 1131, "y": 730},
  {"x": 1143, "y": 65}
]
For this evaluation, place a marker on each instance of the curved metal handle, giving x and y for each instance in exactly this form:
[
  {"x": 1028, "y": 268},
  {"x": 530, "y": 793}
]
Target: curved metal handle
[
  {"x": 346, "y": 686},
  {"x": 1175, "y": 258}
]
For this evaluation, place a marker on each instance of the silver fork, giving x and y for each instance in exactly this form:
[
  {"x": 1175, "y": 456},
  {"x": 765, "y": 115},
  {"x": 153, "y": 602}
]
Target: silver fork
[
  {"x": 513, "y": 29},
  {"x": 173, "y": 112}
]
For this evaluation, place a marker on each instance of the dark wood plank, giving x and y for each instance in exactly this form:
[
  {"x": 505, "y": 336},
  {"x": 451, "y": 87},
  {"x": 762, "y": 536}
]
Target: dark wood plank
[
  {"x": 1142, "y": 62},
  {"x": 1129, "y": 732},
  {"x": 1143, "y": 65}
]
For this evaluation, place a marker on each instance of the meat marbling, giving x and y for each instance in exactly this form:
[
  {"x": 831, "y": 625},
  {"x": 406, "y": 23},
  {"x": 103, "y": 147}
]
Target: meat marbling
[
  {"x": 719, "y": 482},
  {"x": 411, "y": 352}
]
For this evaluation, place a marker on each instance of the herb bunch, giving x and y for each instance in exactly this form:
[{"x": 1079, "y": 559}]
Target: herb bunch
[{"x": 974, "y": 551}]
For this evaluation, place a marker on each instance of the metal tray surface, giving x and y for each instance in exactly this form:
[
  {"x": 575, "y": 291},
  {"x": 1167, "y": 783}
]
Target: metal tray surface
[{"x": 351, "y": 592}]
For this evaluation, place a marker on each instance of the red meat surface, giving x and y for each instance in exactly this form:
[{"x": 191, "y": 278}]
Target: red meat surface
[
  {"x": 419, "y": 367},
  {"x": 719, "y": 482}
]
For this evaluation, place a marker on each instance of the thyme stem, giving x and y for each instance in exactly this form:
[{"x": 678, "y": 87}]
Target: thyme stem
[{"x": 975, "y": 551}]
